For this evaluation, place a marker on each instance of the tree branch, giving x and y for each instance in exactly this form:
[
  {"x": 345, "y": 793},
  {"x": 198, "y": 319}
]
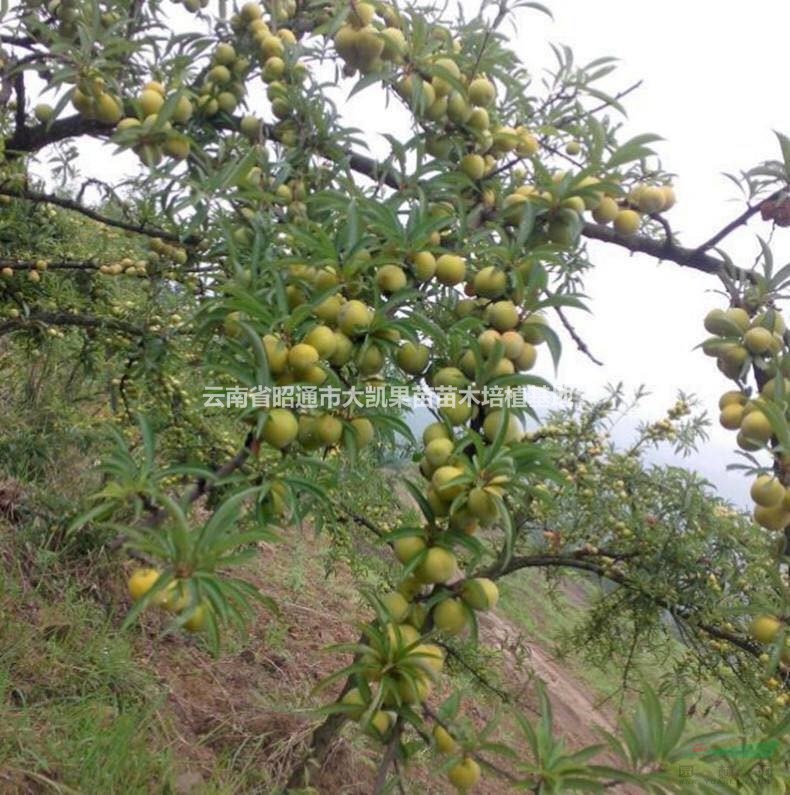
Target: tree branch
[
  {"x": 388, "y": 759},
  {"x": 662, "y": 250},
  {"x": 741, "y": 220},
  {"x": 580, "y": 343},
  {"x": 28, "y": 265},
  {"x": 30, "y": 139},
  {"x": 66, "y": 319},
  {"x": 69, "y": 204},
  {"x": 532, "y": 561}
]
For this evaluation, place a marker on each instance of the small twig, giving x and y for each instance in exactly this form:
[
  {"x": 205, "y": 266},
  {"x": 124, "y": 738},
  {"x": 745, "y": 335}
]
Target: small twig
[
  {"x": 361, "y": 520},
  {"x": 388, "y": 759},
  {"x": 742, "y": 219},
  {"x": 501, "y": 694},
  {"x": 580, "y": 343}
]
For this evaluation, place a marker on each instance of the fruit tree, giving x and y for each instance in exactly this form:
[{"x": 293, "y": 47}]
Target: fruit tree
[{"x": 250, "y": 247}]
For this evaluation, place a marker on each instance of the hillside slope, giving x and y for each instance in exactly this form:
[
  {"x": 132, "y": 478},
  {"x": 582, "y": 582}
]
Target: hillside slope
[{"x": 86, "y": 708}]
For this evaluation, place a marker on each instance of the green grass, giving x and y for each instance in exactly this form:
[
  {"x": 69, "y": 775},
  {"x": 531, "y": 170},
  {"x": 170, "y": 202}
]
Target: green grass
[{"x": 75, "y": 706}]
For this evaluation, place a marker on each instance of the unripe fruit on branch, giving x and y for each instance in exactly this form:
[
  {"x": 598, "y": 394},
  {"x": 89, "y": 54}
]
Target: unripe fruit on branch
[
  {"x": 492, "y": 422},
  {"x": 759, "y": 341},
  {"x": 251, "y": 127},
  {"x": 458, "y": 109},
  {"x": 430, "y": 657},
  {"x": 532, "y": 329},
  {"x": 108, "y": 110},
  {"x": 364, "y": 430},
  {"x": 449, "y": 376},
  {"x": 353, "y": 698},
  {"x": 150, "y": 102},
  {"x": 43, "y": 113},
  {"x": 627, "y": 222},
  {"x": 302, "y": 357},
  {"x": 438, "y": 452},
  {"x": 354, "y": 318},
  {"x": 527, "y": 358},
  {"x": 771, "y": 320},
  {"x": 329, "y": 430},
  {"x": 177, "y": 146},
  {"x": 155, "y": 85},
  {"x": 436, "y": 430},
  {"x": 414, "y": 692},
  {"x": 323, "y": 340},
  {"x": 503, "y": 315},
  {"x": 606, "y": 211},
  {"x": 731, "y": 417},
  {"x": 442, "y": 477},
  {"x": 413, "y": 358},
  {"x": 727, "y": 323},
  {"x": 224, "y": 54},
  {"x": 281, "y": 428},
  {"x": 423, "y": 265},
  {"x": 482, "y": 505},
  {"x": 396, "y": 606},
  {"x": 444, "y": 742},
  {"x": 197, "y": 618},
  {"x": 450, "y": 269},
  {"x": 490, "y": 282},
  {"x": 775, "y": 518},
  {"x": 395, "y": 44},
  {"x": 438, "y": 567},
  {"x": 488, "y": 340},
  {"x": 732, "y": 398},
  {"x": 459, "y": 412},
  {"x": 479, "y": 120},
  {"x": 440, "y": 85},
  {"x": 408, "y": 547},
  {"x": 391, "y": 279},
  {"x": 361, "y": 14},
  {"x": 141, "y": 581},
  {"x": 380, "y": 723},
  {"x": 480, "y": 593},
  {"x": 276, "y": 354},
  {"x": 481, "y": 92},
  {"x": 464, "y": 775},
  {"x": 765, "y": 629},
  {"x": 755, "y": 425},
  {"x": 669, "y": 197},
  {"x": 767, "y": 491},
  {"x": 650, "y": 199},
  {"x": 450, "y": 616},
  {"x": 473, "y": 166}
]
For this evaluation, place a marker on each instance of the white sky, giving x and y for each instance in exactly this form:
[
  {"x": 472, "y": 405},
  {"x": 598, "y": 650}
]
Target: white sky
[{"x": 713, "y": 87}]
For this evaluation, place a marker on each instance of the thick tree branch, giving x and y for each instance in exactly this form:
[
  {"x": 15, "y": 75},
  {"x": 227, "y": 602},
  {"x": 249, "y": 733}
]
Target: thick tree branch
[
  {"x": 31, "y": 139},
  {"x": 533, "y": 561},
  {"x": 65, "y": 265},
  {"x": 69, "y": 204},
  {"x": 661, "y": 250},
  {"x": 66, "y": 319}
]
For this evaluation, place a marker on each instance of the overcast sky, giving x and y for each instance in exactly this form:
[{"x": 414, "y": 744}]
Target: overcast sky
[{"x": 713, "y": 88}]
